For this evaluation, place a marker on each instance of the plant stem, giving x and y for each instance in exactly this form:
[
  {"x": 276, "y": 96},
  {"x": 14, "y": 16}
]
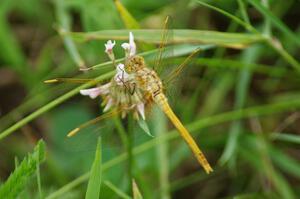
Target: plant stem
[
  {"x": 51, "y": 105},
  {"x": 130, "y": 145},
  {"x": 268, "y": 109}
]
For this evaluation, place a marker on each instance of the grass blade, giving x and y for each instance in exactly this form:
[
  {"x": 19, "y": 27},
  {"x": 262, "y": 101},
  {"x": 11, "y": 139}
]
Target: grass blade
[
  {"x": 231, "y": 40},
  {"x": 127, "y": 18},
  {"x": 135, "y": 190},
  {"x": 119, "y": 192},
  {"x": 64, "y": 22},
  {"x": 194, "y": 127},
  {"x": 160, "y": 128},
  {"x": 18, "y": 179},
  {"x": 94, "y": 184},
  {"x": 51, "y": 105},
  {"x": 241, "y": 93},
  {"x": 275, "y": 21}
]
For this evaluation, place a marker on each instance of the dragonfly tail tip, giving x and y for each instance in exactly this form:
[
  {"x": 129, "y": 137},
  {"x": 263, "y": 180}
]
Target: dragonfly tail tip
[
  {"x": 73, "y": 132},
  {"x": 50, "y": 81},
  {"x": 208, "y": 170}
]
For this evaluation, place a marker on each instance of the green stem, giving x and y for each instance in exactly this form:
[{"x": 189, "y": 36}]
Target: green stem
[
  {"x": 193, "y": 128},
  {"x": 160, "y": 128},
  {"x": 280, "y": 50},
  {"x": 285, "y": 55},
  {"x": 130, "y": 145},
  {"x": 51, "y": 105}
]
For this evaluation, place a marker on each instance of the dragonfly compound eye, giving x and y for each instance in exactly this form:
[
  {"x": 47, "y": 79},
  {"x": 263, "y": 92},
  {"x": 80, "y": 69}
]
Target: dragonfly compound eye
[{"x": 135, "y": 63}]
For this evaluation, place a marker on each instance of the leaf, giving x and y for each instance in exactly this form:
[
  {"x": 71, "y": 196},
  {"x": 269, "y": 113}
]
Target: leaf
[
  {"x": 285, "y": 162},
  {"x": 135, "y": 190},
  {"x": 51, "y": 105},
  {"x": 10, "y": 50},
  {"x": 142, "y": 123},
  {"x": 180, "y": 50},
  {"x": 127, "y": 18},
  {"x": 94, "y": 184},
  {"x": 195, "y": 128},
  {"x": 231, "y": 40},
  {"x": 64, "y": 21},
  {"x": 275, "y": 21},
  {"x": 287, "y": 137},
  {"x": 118, "y": 191},
  {"x": 17, "y": 181}
]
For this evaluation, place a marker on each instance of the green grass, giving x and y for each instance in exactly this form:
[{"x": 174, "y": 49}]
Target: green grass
[
  {"x": 20, "y": 177},
  {"x": 239, "y": 97}
]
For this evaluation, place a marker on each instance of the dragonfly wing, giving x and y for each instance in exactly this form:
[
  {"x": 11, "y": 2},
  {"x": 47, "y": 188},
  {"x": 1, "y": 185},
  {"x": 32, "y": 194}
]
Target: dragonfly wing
[{"x": 163, "y": 50}]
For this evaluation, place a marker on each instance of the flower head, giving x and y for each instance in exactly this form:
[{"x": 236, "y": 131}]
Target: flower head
[
  {"x": 121, "y": 92},
  {"x": 109, "y": 49},
  {"x": 130, "y": 48}
]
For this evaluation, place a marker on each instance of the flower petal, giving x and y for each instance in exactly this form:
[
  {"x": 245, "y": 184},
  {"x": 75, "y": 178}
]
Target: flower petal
[
  {"x": 108, "y": 105},
  {"x": 141, "y": 109},
  {"x": 126, "y": 46},
  {"x": 130, "y": 47},
  {"x": 121, "y": 75},
  {"x": 132, "y": 44},
  {"x": 109, "y": 46},
  {"x": 92, "y": 92}
]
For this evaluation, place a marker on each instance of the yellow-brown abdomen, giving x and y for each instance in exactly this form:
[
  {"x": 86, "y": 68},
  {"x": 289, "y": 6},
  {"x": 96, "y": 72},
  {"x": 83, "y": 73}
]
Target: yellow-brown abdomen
[{"x": 161, "y": 100}]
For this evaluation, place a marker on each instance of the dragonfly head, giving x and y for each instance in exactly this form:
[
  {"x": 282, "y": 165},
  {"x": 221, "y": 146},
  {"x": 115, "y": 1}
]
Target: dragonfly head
[{"x": 134, "y": 64}]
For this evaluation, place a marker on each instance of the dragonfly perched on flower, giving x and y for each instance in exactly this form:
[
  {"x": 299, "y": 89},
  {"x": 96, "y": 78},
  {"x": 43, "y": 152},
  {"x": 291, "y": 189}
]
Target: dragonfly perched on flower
[{"x": 133, "y": 88}]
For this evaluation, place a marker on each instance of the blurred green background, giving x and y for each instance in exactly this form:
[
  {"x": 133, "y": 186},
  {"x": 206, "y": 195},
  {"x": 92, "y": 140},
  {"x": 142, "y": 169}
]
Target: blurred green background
[{"x": 239, "y": 97}]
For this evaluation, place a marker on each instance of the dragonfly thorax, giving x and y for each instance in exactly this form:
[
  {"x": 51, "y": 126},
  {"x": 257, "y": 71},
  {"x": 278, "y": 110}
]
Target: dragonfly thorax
[{"x": 134, "y": 63}]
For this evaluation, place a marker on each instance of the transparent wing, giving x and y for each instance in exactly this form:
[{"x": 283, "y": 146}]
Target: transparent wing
[
  {"x": 174, "y": 79},
  {"x": 173, "y": 74},
  {"x": 163, "y": 51},
  {"x": 164, "y": 38},
  {"x": 85, "y": 141}
]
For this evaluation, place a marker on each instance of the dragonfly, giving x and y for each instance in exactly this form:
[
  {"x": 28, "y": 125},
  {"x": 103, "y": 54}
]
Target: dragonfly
[{"x": 133, "y": 88}]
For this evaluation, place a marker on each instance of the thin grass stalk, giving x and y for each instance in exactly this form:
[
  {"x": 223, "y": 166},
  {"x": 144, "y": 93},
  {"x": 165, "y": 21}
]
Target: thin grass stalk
[
  {"x": 162, "y": 154},
  {"x": 52, "y": 104},
  {"x": 193, "y": 127}
]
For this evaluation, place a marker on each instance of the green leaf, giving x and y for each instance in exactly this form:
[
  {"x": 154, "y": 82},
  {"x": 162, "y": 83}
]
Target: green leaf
[
  {"x": 232, "y": 40},
  {"x": 17, "y": 181},
  {"x": 143, "y": 124},
  {"x": 180, "y": 50},
  {"x": 286, "y": 137},
  {"x": 64, "y": 21},
  {"x": 285, "y": 162},
  {"x": 135, "y": 190},
  {"x": 51, "y": 105},
  {"x": 127, "y": 18},
  {"x": 118, "y": 191},
  {"x": 275, "y": 21},
  {"x": 94, "y": 184},
  {"x": 193, "y": 127}
]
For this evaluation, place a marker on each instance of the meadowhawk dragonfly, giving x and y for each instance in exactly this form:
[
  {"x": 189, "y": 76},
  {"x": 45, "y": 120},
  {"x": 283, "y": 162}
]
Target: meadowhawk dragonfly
[{"x": 134, "y": 88}]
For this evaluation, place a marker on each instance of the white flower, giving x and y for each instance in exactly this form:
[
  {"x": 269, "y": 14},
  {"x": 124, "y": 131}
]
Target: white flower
[
  {"x": 130, "y": 48},
  {"x": 109, "y": 46},
  {"x": 95, "y": 92},
  {"x": 121, "y": 76},
  {"x": 141, "y": 109},
  {"x": 109, "y": 49}
]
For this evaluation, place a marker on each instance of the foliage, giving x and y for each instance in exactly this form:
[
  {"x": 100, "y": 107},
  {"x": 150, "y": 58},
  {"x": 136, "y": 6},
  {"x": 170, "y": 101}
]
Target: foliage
[
  {"x": 18, "y": 180},
  {"x": 239, "y": 98}
]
